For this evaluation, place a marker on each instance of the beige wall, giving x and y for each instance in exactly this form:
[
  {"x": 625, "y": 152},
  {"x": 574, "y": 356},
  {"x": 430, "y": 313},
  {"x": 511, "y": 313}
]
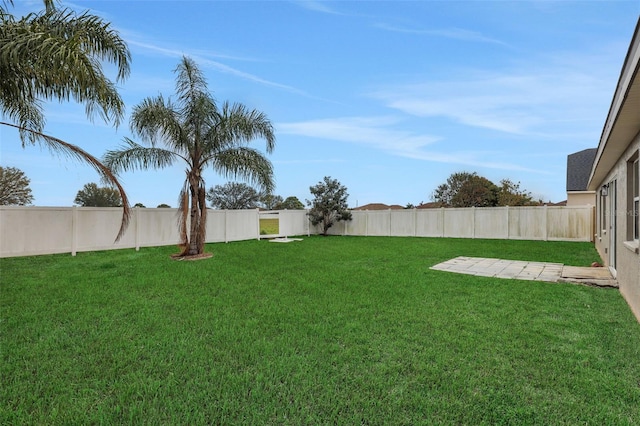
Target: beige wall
[
  {"x": 627, "y": 258},
  {"x": 581, "y": 198}
]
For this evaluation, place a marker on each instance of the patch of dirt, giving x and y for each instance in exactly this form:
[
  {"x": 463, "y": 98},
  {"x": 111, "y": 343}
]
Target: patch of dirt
[{"x": 201, "y": 256}]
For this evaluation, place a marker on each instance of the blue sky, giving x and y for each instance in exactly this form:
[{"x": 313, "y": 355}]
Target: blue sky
[{"x": 388, "y": 97}]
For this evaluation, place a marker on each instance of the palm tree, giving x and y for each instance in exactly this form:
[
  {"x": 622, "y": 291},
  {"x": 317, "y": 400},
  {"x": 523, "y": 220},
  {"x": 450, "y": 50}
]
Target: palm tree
[
  {"x": 56, "y": 54},
  {"x": 198, "y": 132}
]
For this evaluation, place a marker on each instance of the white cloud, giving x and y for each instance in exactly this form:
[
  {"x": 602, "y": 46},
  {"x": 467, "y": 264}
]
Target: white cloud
[
  {"x": 451, "y": 33},
  {"x": 373, "y": 131},
  {"x": 218, "y": 66},
  {"x": 535, "y": 100},
  {"x": 379, "y": 133},
  {"x": 316, "y": 6}
]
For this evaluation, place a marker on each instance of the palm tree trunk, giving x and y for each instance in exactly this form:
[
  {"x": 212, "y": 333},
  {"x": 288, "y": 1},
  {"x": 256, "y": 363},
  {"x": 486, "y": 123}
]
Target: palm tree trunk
[{"x": 194, "y": 228}]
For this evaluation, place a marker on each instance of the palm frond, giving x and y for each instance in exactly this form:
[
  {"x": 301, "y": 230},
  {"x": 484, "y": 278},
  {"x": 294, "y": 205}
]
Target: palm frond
[
  {"x": 238, "y": 125},
  {"x": 245, "y": 163},
  {"x": 156, "y": 121},
  {"x": 56, "y": 54},
  {"x": 190, "y": 81},
  {"x": 59, "y": 146},
  {"x": 132, "y": 156}
]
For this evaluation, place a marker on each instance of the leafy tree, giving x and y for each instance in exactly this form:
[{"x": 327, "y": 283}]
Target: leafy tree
[
  {"x": 142, "y": 206},
  {"x": 477, "y": 191},
  {"x": 92, "y": 195},
  {"x": 329, "y": 204},
  {"x": 233, "y": 196},
  {"x": 510, "y": 194},
  {"x": 270, "y": 201},
  {"x": 14, "y": 187},
  {"x": 57, "y": 54},
  {"x": 445, "y": 192},
  {"x": 466, "y": 189},
  {"x": 290, "y": 203},
  {"x": 163, "y": 206},
  {"x": 202, "y": 134}
]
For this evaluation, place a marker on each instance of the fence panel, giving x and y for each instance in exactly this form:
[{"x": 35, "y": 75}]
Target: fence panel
[
  {"x": 569, "y": 223},
  {"x": 42, "y": 230},
  {"x": 155, "y": 227},
  {"x": 356, "y": 226},
  {"x": 96, "y": 229},
  {"x": 528, "y": 223},
  {"x": 35, "y": 230},
  {"x": 403, "y": 222},
  {"x": 378, "y": 223},
  {"x": 459, "y": 223},
  {"x": 242, "y": 225},
  {"x": 491, "y": 222},
  {"x": 216, "y": 226},
  {"x": 430, "y": 223},
  {"x": 293, "y": 222}
]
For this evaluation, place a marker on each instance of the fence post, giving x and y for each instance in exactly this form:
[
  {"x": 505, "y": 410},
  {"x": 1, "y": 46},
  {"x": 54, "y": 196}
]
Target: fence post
[
  {"x": 546, "y": 222},
  {"x": 473, "y": 221},
  {"x": 366, "y": 223},
  {"x": 74, "y": 230},
  {"x": 137, "y": 230},
  {"x": 443, "y": 214},
  {"x": 226, "y": 239},
  {"x": 389, "y": 233},
  {"x": 415, "y": 222},
  {"x": 508, "y": 223},
  {"x": 258, "y": 218}
]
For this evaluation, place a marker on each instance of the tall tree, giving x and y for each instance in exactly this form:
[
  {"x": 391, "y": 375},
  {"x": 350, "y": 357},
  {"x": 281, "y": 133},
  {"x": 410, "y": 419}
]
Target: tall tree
[
  {"x": 270, "y": 201},
  {"x": 233, "y": 196},
  {"x": 445, "y": 192},
  {"x": 57, "y": 54},
  {"x": 476, "y": 191},
  {"x": 329, "y": 204},
  {"x": 14, "y": 187},
  {"x": 92, "y": 195},
  {"x": 510, "y": 194},
  {"x": 200, "y": 133},
  {"x": 464, "y": 189},
  {"x": 290, "y": 203}
]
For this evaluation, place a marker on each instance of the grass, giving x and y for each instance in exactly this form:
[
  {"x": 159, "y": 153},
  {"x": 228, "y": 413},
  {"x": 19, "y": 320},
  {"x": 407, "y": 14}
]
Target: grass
[
  {"x": 336, "y": 330},
  {"x": 269, "y": 226}
]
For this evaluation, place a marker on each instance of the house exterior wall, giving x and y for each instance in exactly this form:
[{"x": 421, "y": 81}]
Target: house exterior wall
[
  {"x": 581, "y": 198},
  {"x": 613, "y": 214}
]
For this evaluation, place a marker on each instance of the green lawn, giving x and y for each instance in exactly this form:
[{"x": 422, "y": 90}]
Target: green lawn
[
  {"x": 335, "y": 330},
  {"x": 269, "y": 226}
]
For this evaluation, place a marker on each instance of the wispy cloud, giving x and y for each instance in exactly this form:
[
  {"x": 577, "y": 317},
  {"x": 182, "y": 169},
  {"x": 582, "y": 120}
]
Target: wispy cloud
[
  {"x": 542, "y": 101},
  {"x": 380, "y": 133},
  {"x": 372, "y": 131},
  {"x": 218, "y": 66},
  {"x": 451, "y": 33},
  {"x": 316, "y": 6}
]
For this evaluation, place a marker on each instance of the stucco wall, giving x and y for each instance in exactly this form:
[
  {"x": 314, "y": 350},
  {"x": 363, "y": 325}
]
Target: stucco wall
[
  {"x": 581, "y": 198},
  {"x": 627, "y": 260}
]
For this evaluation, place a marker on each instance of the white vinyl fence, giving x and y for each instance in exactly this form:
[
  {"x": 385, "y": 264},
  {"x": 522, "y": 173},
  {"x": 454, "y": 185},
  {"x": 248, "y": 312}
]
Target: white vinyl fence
[
  {"x": 28, "y": 231},
  {"x": 574, "y": 223}
]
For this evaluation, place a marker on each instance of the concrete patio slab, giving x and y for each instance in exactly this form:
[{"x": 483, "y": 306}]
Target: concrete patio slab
[{"x": 524, "y": 270}]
